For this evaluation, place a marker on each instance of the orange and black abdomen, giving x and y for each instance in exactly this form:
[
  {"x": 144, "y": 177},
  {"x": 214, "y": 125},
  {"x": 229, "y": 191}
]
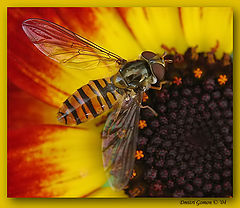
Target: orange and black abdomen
[{"x": 89, "y": 101}]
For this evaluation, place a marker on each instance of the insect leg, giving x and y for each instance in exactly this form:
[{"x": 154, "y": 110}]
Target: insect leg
[
  {"x": 160, "y": 85},
  {"x": 119, "y": 106},
  {"x": 153, "y": 111}
]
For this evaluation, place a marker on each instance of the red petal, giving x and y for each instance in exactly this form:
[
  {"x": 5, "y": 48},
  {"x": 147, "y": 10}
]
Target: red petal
[
  {"x": 24, "y": 110},
  {"x": 33, "y": 71},
  {"x": 26, "y": 181},
  {"x": 54, "y": 161}
]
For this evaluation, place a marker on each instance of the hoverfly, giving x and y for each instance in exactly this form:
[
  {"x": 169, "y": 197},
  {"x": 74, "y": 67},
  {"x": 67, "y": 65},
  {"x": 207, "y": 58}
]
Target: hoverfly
[{"x": 123, "y": 91}]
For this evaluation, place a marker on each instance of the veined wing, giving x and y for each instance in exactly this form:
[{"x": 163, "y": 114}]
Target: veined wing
[
  {"x": 66, "y": 47},
  {"x": 119, "y": 142}
]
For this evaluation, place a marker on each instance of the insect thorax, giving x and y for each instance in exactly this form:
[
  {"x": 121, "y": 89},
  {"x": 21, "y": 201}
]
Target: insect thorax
[{"x": 134, "y": 75}]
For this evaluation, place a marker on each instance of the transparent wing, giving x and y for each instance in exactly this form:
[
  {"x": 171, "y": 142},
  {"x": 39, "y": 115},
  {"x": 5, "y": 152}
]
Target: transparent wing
[
  {"x": 119, "y": 142},
  {"x": 66, "y": 47}
]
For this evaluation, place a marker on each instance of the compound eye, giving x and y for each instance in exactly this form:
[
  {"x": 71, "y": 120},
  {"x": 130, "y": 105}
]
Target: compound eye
[
  {"x": 148, "y": 55},
  {"x": 158, "y": 70}
]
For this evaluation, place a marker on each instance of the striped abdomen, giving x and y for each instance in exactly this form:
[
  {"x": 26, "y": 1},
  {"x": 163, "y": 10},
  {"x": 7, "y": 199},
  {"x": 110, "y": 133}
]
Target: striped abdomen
[{"x": 89, "y": 101}]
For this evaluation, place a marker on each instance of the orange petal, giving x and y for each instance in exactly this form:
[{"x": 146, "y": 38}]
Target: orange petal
[{"x": 54, "y": 161}]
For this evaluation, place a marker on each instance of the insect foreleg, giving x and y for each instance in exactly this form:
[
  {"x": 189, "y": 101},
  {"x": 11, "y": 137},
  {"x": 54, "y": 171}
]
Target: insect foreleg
[
  {"x": 160, "y": 85},
  {"x": 151, "y": 109}
]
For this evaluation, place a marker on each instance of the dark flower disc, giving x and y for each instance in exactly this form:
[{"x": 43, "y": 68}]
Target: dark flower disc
[{"x": 188, "y": 147}]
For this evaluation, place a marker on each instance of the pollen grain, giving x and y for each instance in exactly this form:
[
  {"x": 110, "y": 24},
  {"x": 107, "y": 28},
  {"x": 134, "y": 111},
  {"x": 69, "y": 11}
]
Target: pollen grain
[
  {"x": 177, "y": 80},
  {"x": 142, "y": 124},
  {"x": 139, "y": 154},
  {"x": 145, "y": 97},
  {"x": 198, "y": 73},
  {"x": 222, "y": 79}
]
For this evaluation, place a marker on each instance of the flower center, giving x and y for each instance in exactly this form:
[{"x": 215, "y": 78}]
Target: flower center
[{"x": 188, "y": 148}]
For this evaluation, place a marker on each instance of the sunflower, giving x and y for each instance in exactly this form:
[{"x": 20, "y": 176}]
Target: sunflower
[{"x": 46, "y": 159}]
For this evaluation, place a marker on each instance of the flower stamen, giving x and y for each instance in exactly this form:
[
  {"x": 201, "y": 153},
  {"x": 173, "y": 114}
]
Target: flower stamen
[
  {"x": 142, "y": 124},
  {"x": 194, "y": 53},
  {"x": 226, "y": 59},
  {"x": 210, "y": 58},
  {"x": 198, "y": 73},
  {"x": 214, "y": 49},
  {"x": 178, "y": 58},
  {"x": 136, "y": 191},
  {"x": 134, "y": 173},
  {"x": 169, "y": 50},
  {"x": 222, "y": 79},
  {"x": 177, "y": 80},
  {"x": 139, "y": 154},
  {"x": 145, "y": 97}
]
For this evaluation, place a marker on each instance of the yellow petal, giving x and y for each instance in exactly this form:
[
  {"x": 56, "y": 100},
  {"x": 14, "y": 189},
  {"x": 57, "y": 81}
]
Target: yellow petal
[
  {"x": 205, "y": 26},
  {"x": 103, "y": 26},
  {"x": 107, "y": 192},
  {"x": 54, "y": 161},
  {"x": 114, "y": 35},
  {"x": 153, "y": 27}
]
